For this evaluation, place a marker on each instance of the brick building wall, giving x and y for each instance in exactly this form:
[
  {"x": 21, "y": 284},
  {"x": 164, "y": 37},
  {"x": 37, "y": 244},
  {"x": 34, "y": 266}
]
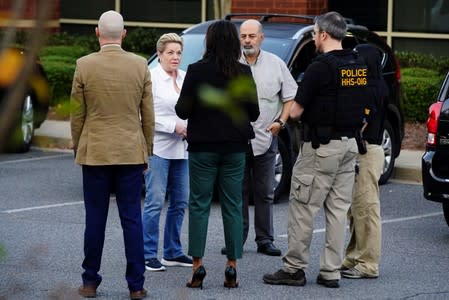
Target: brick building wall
[
  {"x": 302, "y": 7},
  {"x": 28, "y": 14}
]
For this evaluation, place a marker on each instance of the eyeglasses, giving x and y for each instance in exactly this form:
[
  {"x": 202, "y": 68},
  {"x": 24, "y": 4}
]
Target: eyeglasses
[{"x": 315, "y": 33}]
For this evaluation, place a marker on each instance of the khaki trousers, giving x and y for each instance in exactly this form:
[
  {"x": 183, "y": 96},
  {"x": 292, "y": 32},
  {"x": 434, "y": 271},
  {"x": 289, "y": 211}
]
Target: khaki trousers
[
  {"x": 363, "y": 250},
  {"x": 321, "y": 177}
]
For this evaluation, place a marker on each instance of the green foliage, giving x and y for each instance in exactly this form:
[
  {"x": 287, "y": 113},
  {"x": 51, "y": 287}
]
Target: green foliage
[
  {"x": 141, "y": 40},
  {"x": 59, "y": 64},
  {"x": 422, "y": 75},
  {"x": 89, "y": 42},
  {"x": 64, "y": 51},
  {"x": 241, "y": 89},
  {"x": 418, "y": 60},
  {"x": 420, "y": 88}
]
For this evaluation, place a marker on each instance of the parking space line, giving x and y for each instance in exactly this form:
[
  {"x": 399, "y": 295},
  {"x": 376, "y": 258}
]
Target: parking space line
[
  {"x": 10, "y": 211},
  {"x": 32, "y": 159},
  {"x": 412, "y": 218},
  {"x": 384, "y": 221}
]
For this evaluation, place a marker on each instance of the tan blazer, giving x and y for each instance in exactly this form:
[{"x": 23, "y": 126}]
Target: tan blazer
[{"x": 112, "y": 115}]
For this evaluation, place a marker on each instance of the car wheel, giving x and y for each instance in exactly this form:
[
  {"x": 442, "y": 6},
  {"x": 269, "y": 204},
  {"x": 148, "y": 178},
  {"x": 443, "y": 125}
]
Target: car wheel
[
  {"x": 283, "y": 171},
  {"x": 446, "y": 212},
  {"x": 389, "y": 146},
  {"x": 20, "y": 140}
]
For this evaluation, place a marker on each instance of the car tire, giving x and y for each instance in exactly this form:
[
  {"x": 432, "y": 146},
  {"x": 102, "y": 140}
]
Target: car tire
[
  {"x": 446, "y": 212},
  {"x": 389, "y": 146},
  {"x": 283, "y": 171},
  {"x": 20, "y": 140}
]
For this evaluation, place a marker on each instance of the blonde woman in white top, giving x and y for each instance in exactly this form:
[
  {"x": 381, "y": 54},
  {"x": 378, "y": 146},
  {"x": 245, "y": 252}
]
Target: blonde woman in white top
[{"x": 167, "y": 177}]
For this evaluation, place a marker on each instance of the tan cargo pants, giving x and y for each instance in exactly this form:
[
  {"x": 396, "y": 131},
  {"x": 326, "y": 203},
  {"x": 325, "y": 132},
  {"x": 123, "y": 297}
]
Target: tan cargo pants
[
  {"x": 321, "y": 177},
  {"x": 365, "y": 227}
]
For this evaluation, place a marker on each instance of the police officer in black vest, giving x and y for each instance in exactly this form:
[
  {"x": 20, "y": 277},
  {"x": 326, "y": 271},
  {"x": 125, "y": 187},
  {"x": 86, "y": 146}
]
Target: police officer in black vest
[
  {"x": 363, "y": 251},
  {"x": 331, "y": 104}
]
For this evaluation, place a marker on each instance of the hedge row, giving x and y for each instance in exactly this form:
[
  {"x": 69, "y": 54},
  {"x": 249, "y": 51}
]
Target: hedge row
[
  {"x": 419, "y": 89},
  {"x": 425, "y": 61},
  {"x": 59, "y": 64}
]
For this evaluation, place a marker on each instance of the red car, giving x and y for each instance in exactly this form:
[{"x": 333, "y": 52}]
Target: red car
[{"x": 435, "y": 161}]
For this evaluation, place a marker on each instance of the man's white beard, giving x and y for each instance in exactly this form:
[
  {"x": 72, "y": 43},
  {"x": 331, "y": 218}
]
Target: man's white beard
[{"x": 249, "y": 51}]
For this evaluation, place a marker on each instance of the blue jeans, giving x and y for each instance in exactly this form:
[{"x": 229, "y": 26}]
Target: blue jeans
[{"x": 165, "y": 178}]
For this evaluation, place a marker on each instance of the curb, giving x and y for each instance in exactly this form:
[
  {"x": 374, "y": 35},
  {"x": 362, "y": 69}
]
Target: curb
[
  {"x": 49, "y": 142},
  {"x": 407, "y": 174}
]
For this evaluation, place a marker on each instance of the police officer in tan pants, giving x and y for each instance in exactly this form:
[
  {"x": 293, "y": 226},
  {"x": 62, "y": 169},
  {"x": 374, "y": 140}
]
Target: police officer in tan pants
[
  {"x": 323, "y": 174},
  {"x": 363, "y": 250}
]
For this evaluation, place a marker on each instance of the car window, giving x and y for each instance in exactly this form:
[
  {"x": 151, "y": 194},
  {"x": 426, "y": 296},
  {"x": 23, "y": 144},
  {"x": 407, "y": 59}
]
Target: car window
[
  {"x": 303, "y": 56},
  {"x": 280, "y": 47}
]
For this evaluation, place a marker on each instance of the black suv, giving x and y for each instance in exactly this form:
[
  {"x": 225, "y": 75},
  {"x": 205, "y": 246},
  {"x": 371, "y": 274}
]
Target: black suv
[
  {"x": 290, "y": 38},
  {"x": 435, "y": 161}
]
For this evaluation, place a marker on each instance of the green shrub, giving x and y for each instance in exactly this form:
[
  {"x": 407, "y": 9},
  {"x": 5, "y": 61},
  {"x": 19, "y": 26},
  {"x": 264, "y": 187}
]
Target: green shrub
[
  {"x": 420, "y": 88},
  {"x": 60, "y": 76},
  {"x": 64, "y": 51},
  {"x": 89, "y": 42},
  {"x": 418, "y": 60},
  {"x": 422, "y": 75},
  {"x": 141, "y": 40},
  {"x": 59, "y": 64}
]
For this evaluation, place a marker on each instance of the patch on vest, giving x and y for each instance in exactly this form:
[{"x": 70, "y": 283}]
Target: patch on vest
[{"x": 353, "y": 76}]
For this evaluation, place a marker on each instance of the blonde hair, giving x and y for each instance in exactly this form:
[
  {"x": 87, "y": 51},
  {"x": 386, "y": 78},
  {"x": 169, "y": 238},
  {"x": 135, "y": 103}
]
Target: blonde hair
[{"x": 168, "y": 38}]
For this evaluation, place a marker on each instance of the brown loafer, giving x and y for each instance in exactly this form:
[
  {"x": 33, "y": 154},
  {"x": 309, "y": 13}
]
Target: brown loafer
[
  {"x": 138, "y": 294},
  {"x": 88, "y": 291}
]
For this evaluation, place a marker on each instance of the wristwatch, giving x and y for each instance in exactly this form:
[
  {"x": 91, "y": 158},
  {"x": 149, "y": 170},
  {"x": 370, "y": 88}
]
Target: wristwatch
[{"x": 280, "y": 122}]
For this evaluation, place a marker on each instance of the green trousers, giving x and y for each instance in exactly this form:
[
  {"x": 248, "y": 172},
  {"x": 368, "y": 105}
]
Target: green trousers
[{"x": 225, "y": 171}]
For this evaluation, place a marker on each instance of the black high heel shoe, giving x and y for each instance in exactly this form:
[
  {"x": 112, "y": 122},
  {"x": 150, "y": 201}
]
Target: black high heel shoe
[
  {"x": 197, "y": 278},
  {"x": 230, "y": 278}
]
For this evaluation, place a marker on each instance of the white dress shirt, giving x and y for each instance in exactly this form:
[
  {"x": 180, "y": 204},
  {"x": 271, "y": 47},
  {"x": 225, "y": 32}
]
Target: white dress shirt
[{"x": 167, "y": 144}]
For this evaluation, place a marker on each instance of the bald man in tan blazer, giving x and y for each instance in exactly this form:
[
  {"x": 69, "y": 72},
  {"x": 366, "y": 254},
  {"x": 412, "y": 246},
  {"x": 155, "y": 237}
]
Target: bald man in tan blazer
[{"x": 112, "y": 124}]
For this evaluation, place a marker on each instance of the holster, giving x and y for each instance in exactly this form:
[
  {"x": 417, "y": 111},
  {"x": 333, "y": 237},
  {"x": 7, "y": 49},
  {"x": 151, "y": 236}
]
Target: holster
[
  {"x": 317, "y": 135},
  {"x": 361, "y": 144},
  {"x": 324, "y": 134}
]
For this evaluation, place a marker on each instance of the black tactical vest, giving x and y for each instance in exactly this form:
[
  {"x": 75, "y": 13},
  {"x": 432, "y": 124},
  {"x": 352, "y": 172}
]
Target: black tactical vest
[{"x": 344, "y": 111}]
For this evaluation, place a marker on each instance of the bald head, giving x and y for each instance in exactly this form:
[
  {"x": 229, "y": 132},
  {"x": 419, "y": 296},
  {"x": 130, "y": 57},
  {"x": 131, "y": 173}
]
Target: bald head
[
  {"x": 110, "y": 26},
  {"x": 252, "y": 25},
  {"x": 251, "y": 37}
]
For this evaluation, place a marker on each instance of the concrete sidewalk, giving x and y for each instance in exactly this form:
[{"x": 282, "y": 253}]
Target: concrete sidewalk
[{"x": 56, "y": 135}]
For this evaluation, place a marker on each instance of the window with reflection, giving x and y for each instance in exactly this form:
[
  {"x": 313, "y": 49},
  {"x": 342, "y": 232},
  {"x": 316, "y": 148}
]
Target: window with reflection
[
  {"x": 421, "y": 16},
  {"x": 372, "y": 14}
]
